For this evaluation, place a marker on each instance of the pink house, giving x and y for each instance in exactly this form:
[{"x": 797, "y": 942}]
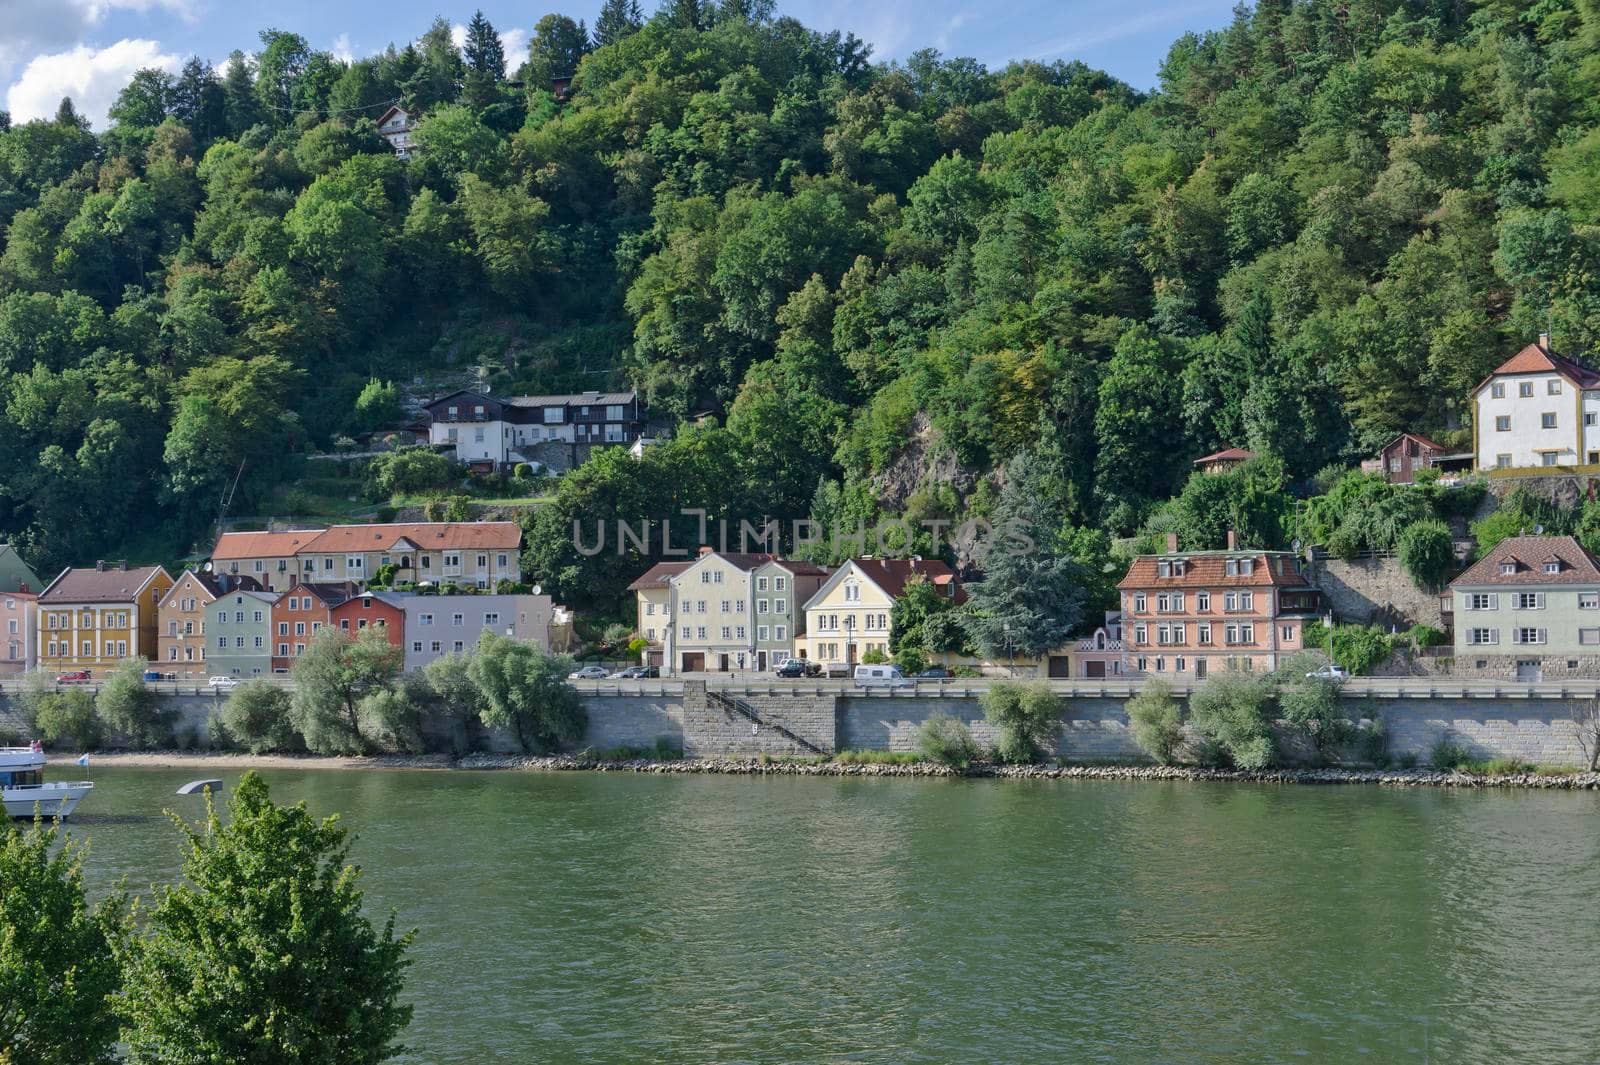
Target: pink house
[{"x": 19, "y": 632}]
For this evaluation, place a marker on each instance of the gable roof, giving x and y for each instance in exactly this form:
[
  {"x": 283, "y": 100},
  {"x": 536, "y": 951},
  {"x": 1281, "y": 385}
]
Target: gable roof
[
  {"x": 1529, "y": 554},
  {"x": 560, "y": 399},
  {"x": 1234, "y": 454},
  {"x": 1538, "y": 358},
  {"x": 1209, "y": 569},
  {"x": 657, "y": 576},
  {"x": 1430, "y": 444},
  {"x": 91, "y": 584},
  {"x": 211, "y": 585},
  {"x": 891, "y": 575},
  {"x": 330, "y": 593},
  {"x": 426, "y": 535},
  {"x": 232, "y": 546}
]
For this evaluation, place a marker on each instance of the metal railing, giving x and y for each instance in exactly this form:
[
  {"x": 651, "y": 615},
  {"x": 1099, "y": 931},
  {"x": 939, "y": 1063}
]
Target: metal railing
[{"x": 744, "y": 709}]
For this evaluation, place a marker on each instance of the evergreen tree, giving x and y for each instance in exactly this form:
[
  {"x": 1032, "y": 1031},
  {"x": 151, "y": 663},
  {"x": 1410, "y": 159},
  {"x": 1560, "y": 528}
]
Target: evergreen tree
[
  {"x": 485, "y": 63},
  {"x": 685, "y": 14},
  {"x": 439, "y": 72},
  {"x": 67, "y": 115},
  {"x": 1031, "y": 596},
  {"x": 617, "y": 19},
  {"x": 199, "y": 102},
  {"x": 240, "y": 108}
]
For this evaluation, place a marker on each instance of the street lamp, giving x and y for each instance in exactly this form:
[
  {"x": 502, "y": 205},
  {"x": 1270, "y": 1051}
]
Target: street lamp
[{"x": 849, "y": 639}]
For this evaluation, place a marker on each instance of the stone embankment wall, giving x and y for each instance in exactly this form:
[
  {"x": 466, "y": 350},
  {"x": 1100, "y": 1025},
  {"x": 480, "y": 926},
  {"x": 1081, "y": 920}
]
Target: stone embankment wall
[{"x": 1538, "y": 730}]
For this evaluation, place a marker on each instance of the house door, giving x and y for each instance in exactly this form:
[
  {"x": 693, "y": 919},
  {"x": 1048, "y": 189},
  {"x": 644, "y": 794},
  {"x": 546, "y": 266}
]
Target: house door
[
  {"x": 1528, "y": 670},
  {"x": 694, "y": 662},
  {"x": 761, "y": 661},
  {"x": 1094, "y": 670},
  {"x": 1199, "y": 669},
  {"x": 1059, "y": 666}
]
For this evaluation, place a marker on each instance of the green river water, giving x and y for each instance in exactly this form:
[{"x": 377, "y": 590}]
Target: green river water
[{"x": 580, "y": 917}]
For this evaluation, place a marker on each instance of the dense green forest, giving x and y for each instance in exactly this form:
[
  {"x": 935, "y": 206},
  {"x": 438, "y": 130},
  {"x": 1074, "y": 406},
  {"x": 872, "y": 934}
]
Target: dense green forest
[{"x": 883, "y": 281}]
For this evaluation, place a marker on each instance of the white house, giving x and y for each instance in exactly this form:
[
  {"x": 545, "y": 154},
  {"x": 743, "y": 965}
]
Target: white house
[
  {"x": 497, "y": 429},
  {"x": 395, "y": 126},
  {"x": 1537, "y": 409},
  {"x": 438, "y": 625}
]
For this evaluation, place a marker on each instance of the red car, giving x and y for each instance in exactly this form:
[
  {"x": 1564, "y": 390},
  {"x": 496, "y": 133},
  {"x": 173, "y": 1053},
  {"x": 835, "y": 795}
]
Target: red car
[{"x": 77, "y": 676}]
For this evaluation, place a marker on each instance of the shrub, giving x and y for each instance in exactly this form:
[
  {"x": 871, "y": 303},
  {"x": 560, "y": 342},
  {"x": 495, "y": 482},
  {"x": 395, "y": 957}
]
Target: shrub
[
  {"x": 1358, "y": 648},
  {"x": 385, "y": 514},
  {"x": 1426, "y": 636},
  {"x": 946, "y": 740},
  {"x": 1156, "y": 721},
  {"x": 1028, "y": 717},
  {"x": 1233, "y": 710},
  {"x": 1446, "y": 754},
  {"x": 392, "y": 715},
  {"x": 1427, "y": 552},
  {"x": 257, "y": 716},
  {"x": 876, "y": 758},
  {"x": 409, "y": 469},
  {"x": 1311, "y": 705},
  {"x": 910, "y": 660},
  {"x": 874, "y": 657},
  {"x": 68, "y": 717},
  {"x": 1407, "y": 760},
  {"x": 126, "y": 705}
]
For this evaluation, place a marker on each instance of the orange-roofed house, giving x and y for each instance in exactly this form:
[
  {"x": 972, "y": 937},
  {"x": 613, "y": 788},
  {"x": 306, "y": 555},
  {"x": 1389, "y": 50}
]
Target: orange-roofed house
[
  {"x": 1187, "y": 614},
  {"x": 1536, "y": 411},
  {"x": 849, "y": 613},
  {"x": 1224, "y": 460},
  {"x": 476, "y": 554}
]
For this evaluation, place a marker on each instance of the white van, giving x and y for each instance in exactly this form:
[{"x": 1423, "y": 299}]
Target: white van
[{"x": 882, "y": 677}]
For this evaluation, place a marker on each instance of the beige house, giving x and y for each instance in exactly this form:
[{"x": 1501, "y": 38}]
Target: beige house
[
  {"x": 849, "y": 615},
  {"x": 653, "y": 605},
  {"x": 19, "y": 615},
  {"x": 476, "y": 554}
]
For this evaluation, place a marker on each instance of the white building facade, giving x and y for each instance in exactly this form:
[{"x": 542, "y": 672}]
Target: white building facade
[{"x": 1537, "y": 410}]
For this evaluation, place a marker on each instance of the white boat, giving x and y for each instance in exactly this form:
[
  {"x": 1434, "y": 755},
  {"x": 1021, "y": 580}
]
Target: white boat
[{"x": 23, "y": 787}]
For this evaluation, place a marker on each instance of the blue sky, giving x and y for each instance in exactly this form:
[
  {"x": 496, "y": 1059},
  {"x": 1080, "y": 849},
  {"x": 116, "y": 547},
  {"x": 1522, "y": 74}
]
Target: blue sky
[{"x": 87, "y": 48}]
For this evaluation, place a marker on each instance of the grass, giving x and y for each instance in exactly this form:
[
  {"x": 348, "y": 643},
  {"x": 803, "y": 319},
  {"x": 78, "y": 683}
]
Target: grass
[
  {"x": 790, "y": 759},
  {"x": 877, "y": 758}
]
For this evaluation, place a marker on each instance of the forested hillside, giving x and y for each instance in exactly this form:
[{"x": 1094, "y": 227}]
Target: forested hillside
[{"x": 884, "y": 281}]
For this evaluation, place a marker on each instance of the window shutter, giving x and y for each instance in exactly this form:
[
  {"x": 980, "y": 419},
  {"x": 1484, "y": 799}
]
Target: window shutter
[
  {"x": 1494, "y": 601},
  {"x": 1494, "y": 635},
  {"x": 1542, "y": 635},
  {"x": 1539, "y": 602}
]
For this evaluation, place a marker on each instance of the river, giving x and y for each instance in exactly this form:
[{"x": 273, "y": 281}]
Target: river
[{"x": 616, "y": 917}]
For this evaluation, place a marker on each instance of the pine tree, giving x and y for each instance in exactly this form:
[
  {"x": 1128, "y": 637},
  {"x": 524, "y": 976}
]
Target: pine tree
[
  {"x": 486, "y": 63},
  {"x": 618, "y": 19},
  {"x": 685, "y": 13},
  {"x": 67, "y": 115},
  {"x": 240, "y": 108}
]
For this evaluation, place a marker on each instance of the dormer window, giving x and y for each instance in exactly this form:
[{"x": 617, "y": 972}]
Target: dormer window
[
  {"x": 1177, "y": 567},
  {"x": 1247, "y": 566},
  {"x": 1163, "y": 568},
  {"x": 1232, "y": 567},
  {"x": 1507, "y": 568},
  {"x": 1553, "y": 566}
]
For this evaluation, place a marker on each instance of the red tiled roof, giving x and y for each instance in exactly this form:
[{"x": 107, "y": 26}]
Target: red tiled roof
[
  {"x": 1536, "y": 358},
  {"x": 428, "y": 536},
  {"x": 1209, "y": 570},
  {"x": 658, "y": 575},
  {"x": 1232, "y": 454},
  {"x": 1530, "y": 553},
  {"x": 1432, "y": 445},
  {"x": 90, "y": 585},
  {"x": 236, "y": 545},
  {"x": 893, "y": 574}
]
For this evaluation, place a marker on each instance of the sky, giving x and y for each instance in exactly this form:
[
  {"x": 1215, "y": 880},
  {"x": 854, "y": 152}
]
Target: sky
[{"x": 87, "y": 49}]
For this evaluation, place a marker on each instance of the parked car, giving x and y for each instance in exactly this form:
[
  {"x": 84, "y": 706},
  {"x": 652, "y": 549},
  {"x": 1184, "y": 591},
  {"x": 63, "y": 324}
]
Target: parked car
[
  {"x": 935, "y": 673},
  {"x": 883, "y": 676},
  {"x": 791, "y": 668},
  {"x": 75, "y": 676},
  {"x": 639, "y": 673},
  {"x": 153, "y": 674},
  {"x": 1329, "y": 672},
  {"x": 588, "y": 673},
  {"x": 221, "y": 683}
]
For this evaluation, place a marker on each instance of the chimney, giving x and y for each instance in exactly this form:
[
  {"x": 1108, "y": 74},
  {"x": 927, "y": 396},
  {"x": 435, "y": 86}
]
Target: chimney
[
  {"x": 99, "y": 565},
  {"x": 1172, "y": 543},
  {"x": 705, "y": 549},
  {"x": 1233, "y": 540},
  {"x": 1544, "y": 341}
]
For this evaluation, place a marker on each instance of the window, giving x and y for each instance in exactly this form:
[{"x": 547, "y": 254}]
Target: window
[
  {"x": 1547, "y": 420},
  {"x": 1202, "y": 601},
  {"x": 1529, "y": 600},
  {"x": 761, "y": 606},
  {"x": 1177, "y": 665},
  {"x": 726, "y": 604},
  {"x": 1203, "y": 632},
  {"x": 1286, "y": 633},
  {"x": 699, "y": 632},
  {"x": 1529, "y": 635},
  {"x": 299, "y": 628},
  {"x": 1394, "y": 465},
  {"x": 1589, "y": 636},
  {"x": 1502, "y": 423},
  {"x": 258, "y": 642},
  {"x": 761, "y": 584},
  {"x": 1552, "y": 566},
  {"x": 1591, "y": 418},
  {"x": 1553, "y": 387},
  {"x": 1497, "y": 390},
  {"x": 491, "y": 618},
  {"x": 1525, "y": 389},
  {"x": 426, "y": 619},
  {"x": 1507, "y": 568},
  {"x": 716, "y": 577},
  {"x": 780, "y": 606},
  {"x": 554, "y": 415},
  {"x": 761, "y": 633},
  {"x": 501, "y": 561},
  {"x": 258, "y": 616},
  {"x": 1139, "y": 603},
  {"x": 1230, "y": 601},
  {"x": 738, "y": 606},
  {"x": 238, "y": 617},
  {"x": 457, "y": 620},
  {"x": 1141, "y": 635},
  {"x": 779, "y": 583},
  {"x": 238, "y": 643},
  {"x": 727, "y": 633},
  {"x": 686, "y": 632},
  {"x": 1548, "y": 458},
  {"x": 458, "y": 647},
  {"x": 739, "y": 632},
  {"x": 705, "y": 576},
  {"x": 702, "y": 605},
  {"x": 780, "y": 632}
]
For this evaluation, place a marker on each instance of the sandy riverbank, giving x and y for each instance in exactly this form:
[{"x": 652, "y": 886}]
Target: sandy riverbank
[{"x": 772, "y": 767}]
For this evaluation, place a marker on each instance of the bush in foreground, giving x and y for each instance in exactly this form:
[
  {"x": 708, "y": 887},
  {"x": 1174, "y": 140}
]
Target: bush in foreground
[
  {"x": 1156, "y": 721},
  {"x": 58, "y": 956},
  {"x": 262, "y": 953}
]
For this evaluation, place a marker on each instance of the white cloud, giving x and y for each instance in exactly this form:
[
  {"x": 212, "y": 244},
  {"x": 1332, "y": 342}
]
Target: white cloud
[
  {"x": 458, "y": 35},
  {"x": 36, "y": 26},
  {"x": 341, "y": 49},
  {"x": 1116, "y": 31},
  {"x": 91, "y": 76},
  {"x": 515, "y": 43}
]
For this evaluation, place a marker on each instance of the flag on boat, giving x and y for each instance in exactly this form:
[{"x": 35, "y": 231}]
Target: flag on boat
[{"x": 83, "y": 759}]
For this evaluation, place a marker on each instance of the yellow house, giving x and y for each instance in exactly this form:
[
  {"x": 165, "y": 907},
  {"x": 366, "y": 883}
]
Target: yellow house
[
  {"x": 93, "y": 618},
  {"x": 653, "y": 593},
  {"x": 850, "y": 614}
]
